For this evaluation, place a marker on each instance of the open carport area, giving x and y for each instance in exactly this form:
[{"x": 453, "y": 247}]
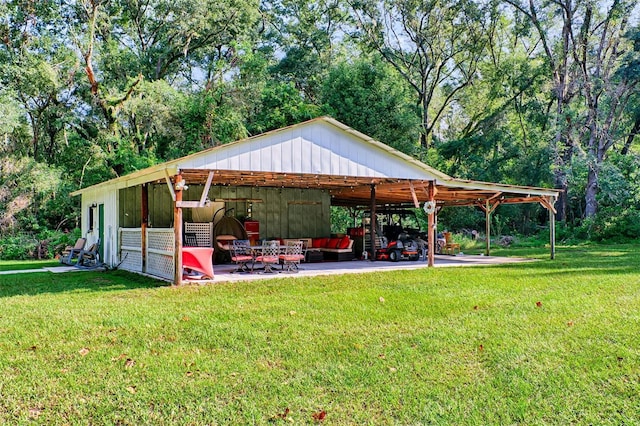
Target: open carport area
[{"x": 278, "y": 186}]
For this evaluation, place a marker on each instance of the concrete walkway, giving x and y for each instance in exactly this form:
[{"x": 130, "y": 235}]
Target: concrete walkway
[{"x": 52, "y": 269}]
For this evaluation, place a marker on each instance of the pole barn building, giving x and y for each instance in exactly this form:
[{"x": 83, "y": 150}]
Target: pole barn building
[{"x": 286, "y": 180}]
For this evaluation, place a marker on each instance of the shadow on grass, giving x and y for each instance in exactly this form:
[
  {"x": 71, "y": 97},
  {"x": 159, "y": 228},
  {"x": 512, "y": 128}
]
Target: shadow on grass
[{"x": 31, "y": 284}]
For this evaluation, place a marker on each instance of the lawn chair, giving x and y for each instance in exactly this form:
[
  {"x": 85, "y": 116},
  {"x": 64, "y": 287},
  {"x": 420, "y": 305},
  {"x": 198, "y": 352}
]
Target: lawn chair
[
  {"x": 449, "y": 246},
  {"x": 90, "y": 258},
  {"x": 72, "y": 252},
  {"x": 292, "y": 256},
  {"x": 269, "y": 255},
  {"x": 241, "y": 255}
]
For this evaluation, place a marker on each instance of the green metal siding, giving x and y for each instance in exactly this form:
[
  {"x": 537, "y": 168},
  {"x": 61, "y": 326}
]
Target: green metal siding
[{"x": 282, "y": 212}]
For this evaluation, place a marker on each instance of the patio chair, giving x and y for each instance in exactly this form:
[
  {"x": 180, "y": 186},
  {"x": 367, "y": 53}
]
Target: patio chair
[
  {"x": 292, "y": 256},
  {"x": 241, "y": 255},
  {"x": 72, "y": 252},
  {"x": 449, "y": 246},
  {"x": 268, "y": 255},
  {"x": 90, "y": 258}
]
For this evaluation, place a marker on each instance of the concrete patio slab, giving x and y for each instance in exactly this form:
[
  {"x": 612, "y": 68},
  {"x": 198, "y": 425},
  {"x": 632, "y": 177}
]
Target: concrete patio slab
[{"x": 224, "y": 272}]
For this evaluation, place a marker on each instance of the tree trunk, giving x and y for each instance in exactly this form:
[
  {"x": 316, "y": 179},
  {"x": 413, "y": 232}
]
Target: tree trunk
[
  {"x": 560, "y": 179},
  {"x": 425, "y": 137},
  {"x": 631, "y": 137},
  {"x": 591, "y": 191}
]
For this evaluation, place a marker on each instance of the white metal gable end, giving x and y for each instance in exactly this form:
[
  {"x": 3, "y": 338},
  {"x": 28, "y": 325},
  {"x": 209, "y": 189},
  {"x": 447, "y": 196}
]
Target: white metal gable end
[{"x": 316, "y": 147}]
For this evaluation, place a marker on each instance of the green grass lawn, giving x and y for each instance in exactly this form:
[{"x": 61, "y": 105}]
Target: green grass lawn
[
  {"x": 548, "y": 342},
  {"x": 18, "y": 265}
]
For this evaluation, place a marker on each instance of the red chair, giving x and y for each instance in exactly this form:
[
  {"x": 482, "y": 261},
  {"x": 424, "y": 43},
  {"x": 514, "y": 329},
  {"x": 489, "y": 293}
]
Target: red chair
[
  {"x": 241, "y": 255},
  {"x": 198, "y": 259},
  {"x": 269, "y": 255},
  {"x": 292, "y": 256}
]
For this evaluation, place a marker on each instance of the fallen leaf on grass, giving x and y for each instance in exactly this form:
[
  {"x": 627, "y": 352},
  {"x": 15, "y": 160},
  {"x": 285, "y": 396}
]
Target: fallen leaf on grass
[
  {"x": 83, "y": 351},
  {"x": 392, "y": 369},
  {"x": 475, "y": 308},
  {"x": 292, "y": 312},
  {"x": 281, "y": 415},
  {"x": 120, "y": 357},
  {"x": 319, "y": 416},
  {"x": 570, "y": 323},
  {"x": 129, "y": 363},
  {"x": 539, "y": 304},
  {"x": 185, "y": 318},
  {"x": 189, "y": 373},
  {"x": 34, "y": 413},
  {"x": 381, "y": 299},
  {"x": 131, "y": 389}
]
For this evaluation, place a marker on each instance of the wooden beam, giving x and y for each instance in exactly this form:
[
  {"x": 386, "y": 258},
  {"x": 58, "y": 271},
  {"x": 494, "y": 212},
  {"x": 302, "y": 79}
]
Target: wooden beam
[
  {"x": 431, "y": 225},
  {"x": 205, "y": 191},
  {"x": 416, "y": 203},
  {"x": 169, "y": 184},
  {"x": 372, "y": 224},
  {"x": 547, "y": 204},
  {"x": 189, "y": 204},
  {"x": 494, "y": 205},
  {"x": 177, "y": 229},
  {"x": 552, "y": 233},
  {"x": 144, "y": 215},
  {"x": 487, "y": 215}
]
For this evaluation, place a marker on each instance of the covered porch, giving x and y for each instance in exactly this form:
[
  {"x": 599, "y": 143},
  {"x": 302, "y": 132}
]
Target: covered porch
[{"x": 286, "y": 180}]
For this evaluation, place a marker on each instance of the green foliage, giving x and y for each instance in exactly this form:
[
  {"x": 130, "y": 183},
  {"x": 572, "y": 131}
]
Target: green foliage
[
  {"x": 456, "y": 219},
  {"x": 370, "y": 97},
  {"x": 27, "y": 188},
  {"x": 281, "y": 104},
  {"x": 176, "y": 77},
  {"x": 17, "y": 247},
  {"x": 343, "y": 218}
]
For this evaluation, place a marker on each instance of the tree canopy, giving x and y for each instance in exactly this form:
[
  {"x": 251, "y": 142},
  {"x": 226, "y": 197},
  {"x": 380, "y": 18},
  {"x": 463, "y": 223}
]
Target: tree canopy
[{"x": 532, "y": 93}]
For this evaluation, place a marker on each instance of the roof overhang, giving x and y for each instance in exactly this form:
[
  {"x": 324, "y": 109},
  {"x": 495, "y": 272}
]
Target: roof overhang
[{"x": 356, "y": 190}]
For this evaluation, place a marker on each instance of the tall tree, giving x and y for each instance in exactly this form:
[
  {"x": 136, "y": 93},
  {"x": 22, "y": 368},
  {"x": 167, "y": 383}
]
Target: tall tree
[
  {"x": 305, "y": 34},
  {"x": 435, "y": 45},
  {"x": 585, "y": 51},
  {"x": 608, "y": 81},
  {"x": 368, "y": 95}
]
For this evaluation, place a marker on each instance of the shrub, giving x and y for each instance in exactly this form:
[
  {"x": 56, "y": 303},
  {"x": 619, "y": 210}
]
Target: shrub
[
  {"x": 18, "y": 247},
  {"x": 24, "y": 246}
]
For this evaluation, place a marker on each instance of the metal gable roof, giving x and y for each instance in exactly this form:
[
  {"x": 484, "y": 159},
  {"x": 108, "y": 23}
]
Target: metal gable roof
[{"x": 318, "y": 153}]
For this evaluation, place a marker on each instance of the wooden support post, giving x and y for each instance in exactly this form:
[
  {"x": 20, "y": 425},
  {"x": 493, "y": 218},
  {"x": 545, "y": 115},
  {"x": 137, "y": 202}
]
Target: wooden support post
[
  {"x": 144, "y": 222},
  {"x": 552, "y": 233},
  {"x": 177, "y": 229},
  {"x": 487, "y": 215},
  {"x": 431, "y": 241},
  {"x": 372, "y": 224}
]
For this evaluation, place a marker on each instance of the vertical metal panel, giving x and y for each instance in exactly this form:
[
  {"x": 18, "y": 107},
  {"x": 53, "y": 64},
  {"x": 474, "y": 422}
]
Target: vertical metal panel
[
  {"x": 108, "y": 198},
  {"x": 287, "y": 154},
  {"x": 316, "y": 147},
  {"x": 160, "y": 206}
]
